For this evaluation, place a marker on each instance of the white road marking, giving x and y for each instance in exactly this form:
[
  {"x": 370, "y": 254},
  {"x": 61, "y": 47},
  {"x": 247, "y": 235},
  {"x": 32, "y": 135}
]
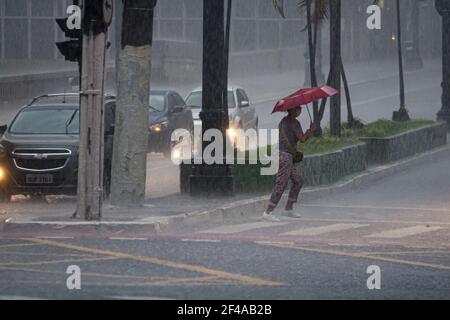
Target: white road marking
[
  {"x": 200, "y": 240},
  {"x": 55, "y": 237},
  {"x": 403, "y": 232},
  {"x": 243, "y": 227},
  {"x": 315, "y": 231},
  {"x": 373, "y": 207},
  {"x": 128, "y": 239},
  {"x": 138, "y": 298}
]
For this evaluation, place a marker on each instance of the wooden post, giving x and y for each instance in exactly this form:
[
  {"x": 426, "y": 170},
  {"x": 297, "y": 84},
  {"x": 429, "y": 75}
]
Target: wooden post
[{"x": 90, "y": 167}]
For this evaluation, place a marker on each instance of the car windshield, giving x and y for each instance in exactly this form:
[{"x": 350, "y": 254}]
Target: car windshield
[
  {"x": 46, "y": 121},
  {"x": 195, "y": 100},
  {"x": 157, "y": 103}
]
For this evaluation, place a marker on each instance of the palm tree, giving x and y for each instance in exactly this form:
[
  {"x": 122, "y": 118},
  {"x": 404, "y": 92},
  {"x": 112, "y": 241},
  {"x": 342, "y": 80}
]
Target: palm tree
[
  {"x": 320, "y": 13},
  {"x": 402, "y": 113}
]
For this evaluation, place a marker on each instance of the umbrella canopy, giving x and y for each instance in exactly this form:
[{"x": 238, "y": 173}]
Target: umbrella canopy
[{"x": 304, "y": 96}]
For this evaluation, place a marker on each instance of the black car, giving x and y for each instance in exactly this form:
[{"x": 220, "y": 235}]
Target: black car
[
  {"x": 168, "y": 112},
  {"x": 39, "y": 150}
]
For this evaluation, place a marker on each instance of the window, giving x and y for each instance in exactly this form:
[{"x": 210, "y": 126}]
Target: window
[
  {"x": 47, "y": 121},
  {"x": 16, "y": 8},
  {"x": 178, "y": 100},
  {"x": 16, "y": 39},
  {"x": 241, "y": 96},
  {"x": 195, "y": 100},
  {"x": 157, "y": 103},
  {"x": 42, "y": 8}
]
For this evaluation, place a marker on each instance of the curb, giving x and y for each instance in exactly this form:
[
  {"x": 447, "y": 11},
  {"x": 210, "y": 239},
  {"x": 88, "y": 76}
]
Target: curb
[{"x": 239, "y": 209}]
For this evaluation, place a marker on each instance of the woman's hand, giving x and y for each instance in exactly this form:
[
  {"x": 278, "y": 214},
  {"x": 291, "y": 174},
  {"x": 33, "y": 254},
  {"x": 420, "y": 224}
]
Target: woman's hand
[{"x": 312, "y": 127}]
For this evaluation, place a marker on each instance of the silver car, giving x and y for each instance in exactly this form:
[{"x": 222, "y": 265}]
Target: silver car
[{"x": 241, "y": 112}]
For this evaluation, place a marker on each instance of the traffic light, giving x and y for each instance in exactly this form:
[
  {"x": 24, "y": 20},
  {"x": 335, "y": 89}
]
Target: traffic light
[{"x": 70, "y": 49}]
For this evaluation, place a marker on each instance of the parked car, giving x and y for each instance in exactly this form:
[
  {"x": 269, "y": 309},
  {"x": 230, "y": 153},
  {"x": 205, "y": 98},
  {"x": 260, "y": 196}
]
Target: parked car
[
  {"x": 168, "y": 112},
  {"x": 242, "y": 113},
  {"x": 39, "y": 149}
]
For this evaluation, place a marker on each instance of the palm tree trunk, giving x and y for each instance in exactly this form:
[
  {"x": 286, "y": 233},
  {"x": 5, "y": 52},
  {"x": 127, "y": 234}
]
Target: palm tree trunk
[
  {"x": 312, "y": 40},
  {"x": 402, "y": 114},
  {"x": 350, "y": 118},
  {"x": 335, "y": 54},
  {"x": 129, "y": 161}
]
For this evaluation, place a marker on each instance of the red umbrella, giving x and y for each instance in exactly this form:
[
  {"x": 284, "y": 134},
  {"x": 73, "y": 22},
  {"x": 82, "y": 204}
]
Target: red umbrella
[{"x": 303, "y": 97}]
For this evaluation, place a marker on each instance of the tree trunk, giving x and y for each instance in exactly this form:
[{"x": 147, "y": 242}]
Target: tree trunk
[
  {"x": 352, "y": 122},
  {"x": 227, "y": 51},
  {"x": 130, "y": 138},
  {"x": 312, "y": 40},
  {"x": 335, "y": 62},
  {"x": 402, "y": 113}
]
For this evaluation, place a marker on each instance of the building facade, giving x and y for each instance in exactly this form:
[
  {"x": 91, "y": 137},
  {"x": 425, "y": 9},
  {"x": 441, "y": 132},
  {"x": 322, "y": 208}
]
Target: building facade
[{"x": 258, "y": 34}]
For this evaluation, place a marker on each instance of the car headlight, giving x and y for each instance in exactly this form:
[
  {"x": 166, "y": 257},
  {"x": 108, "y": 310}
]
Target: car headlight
[
  {"x": 2, "y": 174},
  {"x": 158, "y": 127},
  {"x": 232, "y": 133}
]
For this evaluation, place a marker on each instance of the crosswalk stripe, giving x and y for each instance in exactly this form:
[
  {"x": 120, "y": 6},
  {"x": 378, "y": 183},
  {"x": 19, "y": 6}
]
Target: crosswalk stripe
[
  {"x": 315, "y": 231},
  {"x": 403, "y": 232},
  {"x": 243, "y": 227}
]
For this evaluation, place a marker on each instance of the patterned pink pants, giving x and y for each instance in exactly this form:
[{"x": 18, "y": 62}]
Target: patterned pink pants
[{"x": 287, "y": 170}]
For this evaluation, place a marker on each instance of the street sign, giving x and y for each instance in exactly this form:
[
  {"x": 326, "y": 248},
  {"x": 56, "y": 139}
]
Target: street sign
[{"x": 107, "y": 12}]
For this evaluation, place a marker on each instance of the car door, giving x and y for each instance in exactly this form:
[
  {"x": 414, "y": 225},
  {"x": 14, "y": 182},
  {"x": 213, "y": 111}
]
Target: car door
[
  {"x": 175, "y": 117},
  {"x": 186, "y": 120}
]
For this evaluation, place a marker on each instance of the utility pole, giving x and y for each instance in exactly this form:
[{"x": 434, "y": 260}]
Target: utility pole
[
  {"x": 97, "y": 15},
  {"x": 443, "y": 7}
]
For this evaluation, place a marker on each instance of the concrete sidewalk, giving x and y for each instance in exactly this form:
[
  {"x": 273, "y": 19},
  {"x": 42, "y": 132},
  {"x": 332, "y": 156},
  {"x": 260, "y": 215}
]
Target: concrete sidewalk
[{"x": 172, "y": 211}]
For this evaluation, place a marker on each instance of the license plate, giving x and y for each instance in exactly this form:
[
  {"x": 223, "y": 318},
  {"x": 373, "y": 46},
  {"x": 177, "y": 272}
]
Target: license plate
[{"x": 39, "y": 178}]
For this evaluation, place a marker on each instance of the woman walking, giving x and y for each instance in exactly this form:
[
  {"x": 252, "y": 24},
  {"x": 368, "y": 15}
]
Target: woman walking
[{"x": 290, "y": 134}]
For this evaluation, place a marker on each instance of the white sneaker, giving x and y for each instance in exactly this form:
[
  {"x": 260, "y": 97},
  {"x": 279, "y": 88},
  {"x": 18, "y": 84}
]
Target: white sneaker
[
  {"x": 292, "y": 214},
  {"x": 270, "y": 217}
]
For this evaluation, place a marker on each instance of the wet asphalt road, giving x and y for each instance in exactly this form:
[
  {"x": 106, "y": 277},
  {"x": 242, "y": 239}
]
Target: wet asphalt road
[{"x": 400, "y": 224}]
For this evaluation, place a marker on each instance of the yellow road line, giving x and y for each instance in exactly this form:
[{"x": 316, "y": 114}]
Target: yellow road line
[
  {"x": 34, "y": 263},
  {"x": 46, "y": 254},
  {"x": 161, "y": 262},
  {"x": 199, "y": 281},
  {"x": 118, "y": 276},
  {"x": 404, "y": 252},
  {"x": 18, "y": 245},
  {"x": 356, "y": 255}
]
